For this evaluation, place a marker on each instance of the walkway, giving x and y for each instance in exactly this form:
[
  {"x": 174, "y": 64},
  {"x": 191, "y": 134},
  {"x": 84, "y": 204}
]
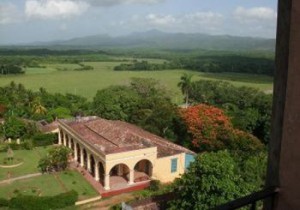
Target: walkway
[
  {"x": 19, "y": 178},
  {"x": 108, "y": 202}
]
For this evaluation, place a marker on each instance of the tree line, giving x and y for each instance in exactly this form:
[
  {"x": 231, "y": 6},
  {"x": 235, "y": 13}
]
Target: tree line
[{"x": 213, "y": 64}]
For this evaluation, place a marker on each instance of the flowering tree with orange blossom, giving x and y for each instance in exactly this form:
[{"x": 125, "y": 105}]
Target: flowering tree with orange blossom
[{"x": 212, "y": 130}]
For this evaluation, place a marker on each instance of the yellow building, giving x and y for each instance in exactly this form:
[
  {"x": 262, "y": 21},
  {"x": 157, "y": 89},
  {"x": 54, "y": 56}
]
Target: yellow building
[{"x": 112, "y": 150}]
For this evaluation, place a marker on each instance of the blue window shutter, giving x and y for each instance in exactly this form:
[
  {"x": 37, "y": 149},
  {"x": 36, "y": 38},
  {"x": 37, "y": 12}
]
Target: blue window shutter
[
  {"x": 188, "y": 159},
  {"x": 174, "y": 165}
]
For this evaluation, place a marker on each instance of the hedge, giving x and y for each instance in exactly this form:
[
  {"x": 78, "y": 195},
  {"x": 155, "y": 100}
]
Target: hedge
[
  {"x": 44, "y": 139},
  {"x": 25, "y": 202},
  {"x": 27, "y": 144},
  {"x": 3, "y": 202}
]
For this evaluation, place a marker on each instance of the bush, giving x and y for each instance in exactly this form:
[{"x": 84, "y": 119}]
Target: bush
[
  {"x": 116, "y": 207},
  {"x": 55, "y": 160},
  {"x": 154, "y": 185},
  {"x": 44, "y": 139},
  {"x": 28, "y": 145},
  {"x": 24, "y": 145},
  {"x": 3, "y": 147},
  {"x": 3, "y": 202},
  {"x": 44, "y": 203}
]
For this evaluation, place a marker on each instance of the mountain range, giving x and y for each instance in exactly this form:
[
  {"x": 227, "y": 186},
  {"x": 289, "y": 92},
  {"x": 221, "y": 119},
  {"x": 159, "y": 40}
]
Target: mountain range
[{"x": 163, "y": 40}]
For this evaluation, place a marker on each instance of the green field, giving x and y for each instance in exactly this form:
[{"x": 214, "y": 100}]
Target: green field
[
  {"x": 48, "y": 185},
  {"x": 86, "y": 83},
  {"x": 30, "y": 162}
]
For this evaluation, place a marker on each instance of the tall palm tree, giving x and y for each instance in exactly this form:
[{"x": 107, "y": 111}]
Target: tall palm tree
[
  {"x": 185, "y": 85},
  {"x": 38, "y": 108}
]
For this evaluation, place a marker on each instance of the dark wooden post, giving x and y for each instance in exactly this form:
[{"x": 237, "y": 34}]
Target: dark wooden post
[{"x": 284, "y": 153}]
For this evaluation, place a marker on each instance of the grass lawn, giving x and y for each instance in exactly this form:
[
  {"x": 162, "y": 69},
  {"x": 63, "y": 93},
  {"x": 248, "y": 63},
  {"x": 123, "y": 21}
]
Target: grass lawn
[
  {"x": 30, "y": 162},
  {"x": 48, "y": 185},
  {"x": 86, "y": 83},
  {"x": 74, "y": 180}
]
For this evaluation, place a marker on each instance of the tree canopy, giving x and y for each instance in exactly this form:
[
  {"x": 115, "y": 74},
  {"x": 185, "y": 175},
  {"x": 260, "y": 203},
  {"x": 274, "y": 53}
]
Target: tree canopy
[
  {"x": 55, "y": 160},
  {"x": 144, "y": 103},
  {"x": 215, "y": 178},
  {"x": 249, "y": 108},
  {"x": 212, "y": 130}
]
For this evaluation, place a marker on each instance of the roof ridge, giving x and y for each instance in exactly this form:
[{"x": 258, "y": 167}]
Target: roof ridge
[
  {"x": 157, "y": 139},
  {"x": 88, "y": 127}
]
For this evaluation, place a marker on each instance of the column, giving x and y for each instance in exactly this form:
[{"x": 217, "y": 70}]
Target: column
[
  {"x": 89, "y": 162},
  {"x": 75, "y": 152},
  {"x": 70, "y": 145},
  {"x": 131, "y": 177},
  {"x": 65, "y": 139},
  {"x": 97, "y": 170},
  {"x": 81, "y": 158},
  {"x": 106, "y": 182},
  {"x": 59, "y": 137}
]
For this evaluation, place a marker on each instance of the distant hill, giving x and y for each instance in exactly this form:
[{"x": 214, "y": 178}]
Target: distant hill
[{"x": 162, "y": 40}]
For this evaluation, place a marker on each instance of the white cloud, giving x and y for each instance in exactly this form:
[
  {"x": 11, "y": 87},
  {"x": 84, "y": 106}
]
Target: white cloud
[
  {"x": 205, "y": 22},
  {"x": 116, "y": 2},
  {"x": 257, "y": 21},
  {"x": 47, "y": 9},
  {"x": 52, "y": 9},
  {"x": 256, "y": 14},
  {"x": 160, "y": 20},
  {"x": 204, "y": 19},
  {"x": 8, "y": 13}
]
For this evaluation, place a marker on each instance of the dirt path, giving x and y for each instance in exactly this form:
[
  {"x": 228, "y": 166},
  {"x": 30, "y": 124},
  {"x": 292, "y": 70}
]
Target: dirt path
[
  {"x": 19, "y": 178},
  {"x": 63, "y": 186},
  {"x": 106, "y": 203}
]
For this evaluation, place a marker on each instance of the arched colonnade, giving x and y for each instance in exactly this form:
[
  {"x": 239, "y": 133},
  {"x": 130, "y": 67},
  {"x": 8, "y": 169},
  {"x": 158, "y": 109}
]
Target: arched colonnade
[{"x": 95, "y": 164}]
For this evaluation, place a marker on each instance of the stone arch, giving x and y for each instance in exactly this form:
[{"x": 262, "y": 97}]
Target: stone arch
[
  {"x": 72, "y": 146},
  {"x": 78, "y": 152},
  {"x": 85, "y": 158},
  {"x": 93, "y": 162},
  {"x": 121, "y": 170},
  {"x": 72, "y": 143},
  {"x": 143, "y": 170},
  {"x": 101, "y": 172},
  {"x": 67, "y": 140}
]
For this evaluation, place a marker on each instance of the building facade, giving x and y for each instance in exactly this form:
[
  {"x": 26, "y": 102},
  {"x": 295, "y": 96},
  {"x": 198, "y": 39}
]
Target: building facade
[{"x": 110, "y": 149}]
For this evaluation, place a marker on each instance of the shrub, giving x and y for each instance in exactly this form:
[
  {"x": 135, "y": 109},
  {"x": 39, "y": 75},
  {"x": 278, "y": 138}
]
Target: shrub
[
  {"x": 55, "y": 160},
  {"x": 154, "y": 185},
  {"x": 3, "y": 202},
  {"x": 24, "y": 145},
  {"x": 44, "y": 203},
  {"x": 116, "y": 207},
  {"x": 16, "y": 191},
  {"x": 3, "y": 147},
  {"x": 28, "y": 145},
  {"x": 44, "y": 139}
]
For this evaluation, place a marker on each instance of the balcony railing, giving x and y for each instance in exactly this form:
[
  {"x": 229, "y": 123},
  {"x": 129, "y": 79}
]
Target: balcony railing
[{"x": 249, "y": 200}]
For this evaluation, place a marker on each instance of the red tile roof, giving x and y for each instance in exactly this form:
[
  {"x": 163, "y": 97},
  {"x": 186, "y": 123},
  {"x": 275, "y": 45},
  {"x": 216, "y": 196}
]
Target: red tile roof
[
  {"x": 50, "y": 127},
  {"x": 116, "y": 136}
]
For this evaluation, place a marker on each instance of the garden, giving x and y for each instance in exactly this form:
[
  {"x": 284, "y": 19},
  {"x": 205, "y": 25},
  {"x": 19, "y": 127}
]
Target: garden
[
  {"x": 49, "y": 185},
  {"x": 28, "y": 158}
]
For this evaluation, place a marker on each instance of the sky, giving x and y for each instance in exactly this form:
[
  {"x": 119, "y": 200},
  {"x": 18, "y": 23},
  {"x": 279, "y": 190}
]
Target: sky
[{"x": 25, "y": 21}]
